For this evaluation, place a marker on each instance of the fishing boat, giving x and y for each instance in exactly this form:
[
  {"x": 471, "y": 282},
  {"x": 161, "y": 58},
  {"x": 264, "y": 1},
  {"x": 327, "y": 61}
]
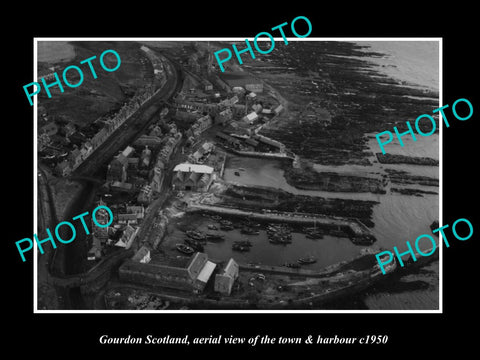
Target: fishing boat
[
  {"x": 273, "y": 229},
  {"x": 279, "y": 240},
  {"x": 252, "y": 224},
  {"x": 249, "y": 231},
  {"x": 185, "y": 249},
  {"x": 214, "y": 237},
  {"x": 292, "y": 265},
  {"x": 196, "y": 235},
  {"x": 237, "y": 247},
  {"x": 243, "y": 243},
  {"x": 226, "y": 227},
  {"x": 279, "y": 234},
  {"x": 314, "y": 235},
  {"x": 363, "y": 240},
  {"x": 194, "y": 244},
  {"x": 307, "y": 260}
]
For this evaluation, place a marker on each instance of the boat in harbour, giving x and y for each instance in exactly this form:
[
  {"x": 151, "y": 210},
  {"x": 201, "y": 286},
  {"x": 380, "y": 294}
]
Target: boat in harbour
[
  {"x": 243, "y": 243},
  {"x": 314, "y": 235},
  {"x": 226, "y": 227},
  {"x": 241, "y": 248},
  {"x": 194, "y": 244},
  {"x": 214, "y": 237},
  {"x": 185, "y": 249},
  {"x": 196, "y": 235},
  {"x": 307, "y": 260},
  {"x": 292, "y": 265},
  {"x": 249, "y": 231}
]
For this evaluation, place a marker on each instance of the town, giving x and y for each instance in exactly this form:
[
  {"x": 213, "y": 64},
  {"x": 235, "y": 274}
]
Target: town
[{"x": 187, "y": 221}]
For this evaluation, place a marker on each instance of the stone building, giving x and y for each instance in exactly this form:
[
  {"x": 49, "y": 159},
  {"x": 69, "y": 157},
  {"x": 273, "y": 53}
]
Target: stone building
[{"x": 188, "y": 274}]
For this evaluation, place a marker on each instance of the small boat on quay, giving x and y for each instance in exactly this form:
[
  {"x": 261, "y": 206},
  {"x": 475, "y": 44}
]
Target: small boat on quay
[
  {"x": 196, "y": 235},
  {"x": 307, "y": 260},
  {"x": 185, "y": 249}
]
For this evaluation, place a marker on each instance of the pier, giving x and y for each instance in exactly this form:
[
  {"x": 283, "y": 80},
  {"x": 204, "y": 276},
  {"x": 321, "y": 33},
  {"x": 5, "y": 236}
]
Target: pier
[{"x": 356, "y": 227}]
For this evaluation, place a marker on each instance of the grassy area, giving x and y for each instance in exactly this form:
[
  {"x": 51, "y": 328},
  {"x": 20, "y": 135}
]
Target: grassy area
[{"x": 96, "y": 97}]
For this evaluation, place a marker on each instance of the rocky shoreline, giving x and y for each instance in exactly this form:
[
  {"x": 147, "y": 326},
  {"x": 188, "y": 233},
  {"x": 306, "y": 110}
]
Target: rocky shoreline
[
  {"x": 308, "y": 179},
  {"x": 415, "y": 192},
  {"x": 335, "y": 97},
  {"x": 402, "y": 159},
  {"x": 256, "y": 198},
  {"x": 405, "y": 178}
]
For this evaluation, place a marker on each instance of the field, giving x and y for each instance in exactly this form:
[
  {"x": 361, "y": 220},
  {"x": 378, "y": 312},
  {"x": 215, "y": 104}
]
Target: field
[
  {"x": 55, "y": 51},
  {"x": 94, "y": 97}
]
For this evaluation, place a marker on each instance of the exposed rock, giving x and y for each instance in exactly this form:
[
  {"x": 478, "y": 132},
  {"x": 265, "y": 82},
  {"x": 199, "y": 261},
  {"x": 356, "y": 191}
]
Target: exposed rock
[{"x": 402, "y": 159}]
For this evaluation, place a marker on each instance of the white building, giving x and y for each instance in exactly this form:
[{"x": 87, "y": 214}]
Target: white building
[
  {"x": 250, "y": 118},
  {"x": 142, "y": 255},
  {"x": 224, "y": 281},
  {"x": 129, "y": 234},
  {"x": 192, "y": 177}
]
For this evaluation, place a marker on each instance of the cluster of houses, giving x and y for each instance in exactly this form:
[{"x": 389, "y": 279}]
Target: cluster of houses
[
  {"x": 199, "y": 156},
  {"x": 122, "y": 231},
  {"x": 199, "y": 126},
  {"x": 80, "y": 153},
  {"x": 127, "y": 173}
]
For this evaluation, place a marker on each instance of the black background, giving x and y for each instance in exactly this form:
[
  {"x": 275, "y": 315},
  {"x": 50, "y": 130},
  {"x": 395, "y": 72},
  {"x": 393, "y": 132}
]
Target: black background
[{"x": 409, "y": 334}]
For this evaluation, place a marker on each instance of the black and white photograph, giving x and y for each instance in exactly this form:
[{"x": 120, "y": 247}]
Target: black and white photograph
[{"x": 253, "y": 186}]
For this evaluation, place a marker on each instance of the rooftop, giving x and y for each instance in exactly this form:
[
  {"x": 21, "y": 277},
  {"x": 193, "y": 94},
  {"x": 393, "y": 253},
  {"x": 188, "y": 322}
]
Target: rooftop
[{"x": 186, "y": 167}]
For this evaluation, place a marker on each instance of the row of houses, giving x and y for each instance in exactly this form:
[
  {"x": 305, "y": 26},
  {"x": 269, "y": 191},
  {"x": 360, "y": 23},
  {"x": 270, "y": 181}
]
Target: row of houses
[
  {"x": 199, "y": 126},
  {"x": 158, "y": 172},
  {"x": 79, "y": 154}
]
